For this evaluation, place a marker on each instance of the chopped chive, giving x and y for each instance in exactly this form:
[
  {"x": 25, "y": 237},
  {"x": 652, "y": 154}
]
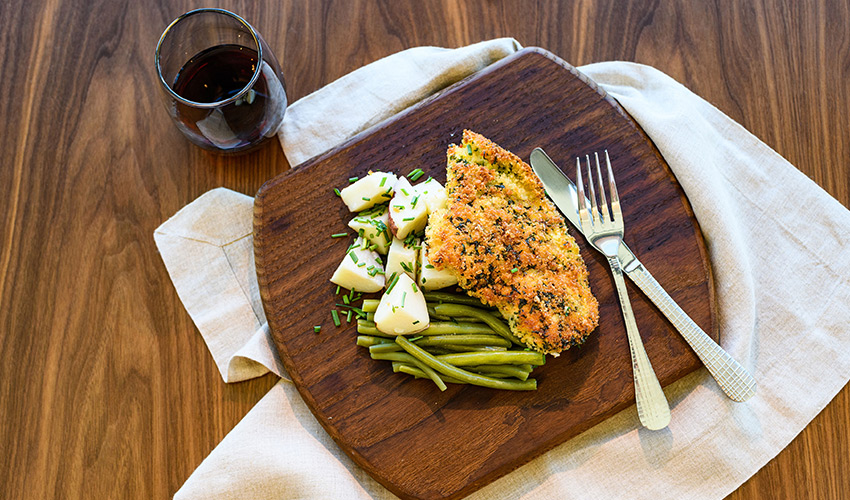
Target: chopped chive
[
  {"x": 403, "y": 296},
  {"x": 407, "y": 219},
  {"x": 336, "y": 191},
  {"x": 514, "y": 269},
  {"x": 392, "y": 283},
  {"x": 414, "y": 287},
  {"x": 356, "y": 309},
  {"x": 406, "y": 267},
  {"x": 378, "y": 260},
  {"x": 339, "y": 235},
  {"x": 337, "y": 289},
  {"x": 348, "y": 319},
  {"x": 335, "y": 316},
  {"x": 404, "y": 192},
  {"x": 469, "y": 149},
  {"x": 373, "y": 247},
  {"x": 352, "y": 179},
  {"x": 414, "y": 339},
  {"x": 351, "y": 294},
  {"x": 317, "y": 329},
  {"x": 345, "y": 299},
  {"x": 419, "y": 337},
  {"x": 365, "y": 199},
  {"x": 383, "y": 180},
  {"x": 415, "y": 199},
  {"x": 353, "y": 256},
  {"x": 429, "y": 266},
  {"x": 416, "y": 174},
  {"x": 361, "y": 264},
  {"x": 400, "y": 207}
]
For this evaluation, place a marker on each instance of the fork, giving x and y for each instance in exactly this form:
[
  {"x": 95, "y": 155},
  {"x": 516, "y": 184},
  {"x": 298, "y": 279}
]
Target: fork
[{"x": 605, "y": 233}]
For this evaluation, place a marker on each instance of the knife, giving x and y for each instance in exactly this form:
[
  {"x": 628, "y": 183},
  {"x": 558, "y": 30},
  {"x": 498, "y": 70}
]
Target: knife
[{"x": 733, "y": 378}]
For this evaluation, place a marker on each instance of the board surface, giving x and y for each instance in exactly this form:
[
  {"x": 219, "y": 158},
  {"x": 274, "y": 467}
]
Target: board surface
[{"x": 423, "y": 443}]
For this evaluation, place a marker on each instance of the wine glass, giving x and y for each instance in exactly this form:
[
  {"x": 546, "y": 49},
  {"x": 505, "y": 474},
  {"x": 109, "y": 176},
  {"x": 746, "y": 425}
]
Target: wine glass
[{"x": 221, "y": 83}]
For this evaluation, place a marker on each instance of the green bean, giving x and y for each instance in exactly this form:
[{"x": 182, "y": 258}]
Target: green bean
[
  {"x": 450, "y": 348},
  {"x": 434, "y": 316},
  {"x": 461, "y": 374},
  {"x": 492, "y": 321},
  {"x": 503, "y": 370},
  {"x": 388, "y": 347},
  {"x": 416, "y": 372},
  {"x": 407, "y": 358},
  {"x": 402, "y": 356},
  {"x": 458, "y": 340},
  {"x": 452, "y": 298},
  {"x": 367, "y": 327},
  {"x": 370, "y": 305},
  {"x": 493, "y": 358},
  {"x": 368, "y": 341}
]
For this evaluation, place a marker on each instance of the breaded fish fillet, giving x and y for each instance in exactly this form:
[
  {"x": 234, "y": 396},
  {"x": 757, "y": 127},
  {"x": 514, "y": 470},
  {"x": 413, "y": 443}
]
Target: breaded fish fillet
[{"x": 509, "y": 246}]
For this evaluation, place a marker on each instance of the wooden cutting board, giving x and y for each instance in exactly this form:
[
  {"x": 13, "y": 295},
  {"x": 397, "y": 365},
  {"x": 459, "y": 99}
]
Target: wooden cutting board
[{"x": 415, "y": 440}]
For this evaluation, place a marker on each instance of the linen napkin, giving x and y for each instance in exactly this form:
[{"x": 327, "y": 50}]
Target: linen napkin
[{"x": 781, "y": 279}]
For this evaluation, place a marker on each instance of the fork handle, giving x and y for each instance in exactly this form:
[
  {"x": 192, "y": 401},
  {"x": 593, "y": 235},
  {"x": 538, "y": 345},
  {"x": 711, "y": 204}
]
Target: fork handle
[
  {"x": 733, "y": 378},
  {"x": 652, "y": 407}
]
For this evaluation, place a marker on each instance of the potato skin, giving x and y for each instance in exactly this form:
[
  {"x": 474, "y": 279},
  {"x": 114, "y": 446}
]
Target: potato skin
[{"x": 510, "y": 247}]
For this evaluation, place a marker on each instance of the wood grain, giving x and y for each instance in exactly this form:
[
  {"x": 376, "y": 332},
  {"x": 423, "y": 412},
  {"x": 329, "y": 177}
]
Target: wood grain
[
  {"x": 555, "y": 108},
  {"x": 106, "y": 388}
]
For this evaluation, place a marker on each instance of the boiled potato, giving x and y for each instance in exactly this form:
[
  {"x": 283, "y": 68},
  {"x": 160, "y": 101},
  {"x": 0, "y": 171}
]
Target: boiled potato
[
  {"x": 408, "y": 211},
  {"x": 402, "y": 309},
  {"x": 402, "y": 258},
  {"x": 431, "y": 278},
  {"x": 433, "y": 193},
  {"x": 377, "y": 187},
  {"x": 373, "y": 225},
  {"x": 359, "y": 269}
]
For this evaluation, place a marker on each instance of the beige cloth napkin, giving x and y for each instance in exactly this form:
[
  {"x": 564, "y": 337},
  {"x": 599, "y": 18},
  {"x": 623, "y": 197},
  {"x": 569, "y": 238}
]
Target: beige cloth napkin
[{"x": 781, "y": 278}]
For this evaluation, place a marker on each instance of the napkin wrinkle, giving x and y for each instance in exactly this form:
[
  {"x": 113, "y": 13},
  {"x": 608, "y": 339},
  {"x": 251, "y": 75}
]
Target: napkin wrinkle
[{"x": 373, "y": 93}]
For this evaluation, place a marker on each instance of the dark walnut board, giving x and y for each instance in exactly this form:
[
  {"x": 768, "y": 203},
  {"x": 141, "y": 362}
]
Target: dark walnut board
[{"x": 423, "y": 443}]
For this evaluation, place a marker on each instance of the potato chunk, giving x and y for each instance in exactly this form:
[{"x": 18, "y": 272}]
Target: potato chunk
[
  {"x": 377, "y": 187},
  {"x": 402, "y": 309},
  {"x": 359, "y": 269}
]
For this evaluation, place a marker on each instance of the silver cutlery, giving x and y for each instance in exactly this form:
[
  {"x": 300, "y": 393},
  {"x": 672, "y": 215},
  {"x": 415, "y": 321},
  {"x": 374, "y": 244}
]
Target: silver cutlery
[
  {"x": 732, "y": 378},
  {"x": 604, "y": 231}
]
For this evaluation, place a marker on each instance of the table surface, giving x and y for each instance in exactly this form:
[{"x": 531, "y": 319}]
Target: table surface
[{"x": 106, "y": 388}]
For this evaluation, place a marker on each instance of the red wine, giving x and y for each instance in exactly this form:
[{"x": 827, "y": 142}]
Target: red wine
[{"x": 215, "y": 75}]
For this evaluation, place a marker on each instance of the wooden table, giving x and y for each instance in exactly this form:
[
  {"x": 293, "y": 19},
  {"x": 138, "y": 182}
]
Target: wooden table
[{"x": 106, "y": 388}]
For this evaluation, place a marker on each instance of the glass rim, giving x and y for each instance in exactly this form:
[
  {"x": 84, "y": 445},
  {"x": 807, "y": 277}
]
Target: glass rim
[{"x": 216, "y": 104}]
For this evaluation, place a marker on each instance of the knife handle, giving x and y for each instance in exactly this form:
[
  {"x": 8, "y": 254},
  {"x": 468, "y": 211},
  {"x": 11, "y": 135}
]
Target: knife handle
[{"x": 733, "y": 378}]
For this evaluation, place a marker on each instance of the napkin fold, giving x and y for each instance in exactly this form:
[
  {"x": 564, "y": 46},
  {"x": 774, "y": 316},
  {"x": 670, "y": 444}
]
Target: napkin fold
[
  {"x": 781, "y": 282},
  {"x": 208, "y": 250}
]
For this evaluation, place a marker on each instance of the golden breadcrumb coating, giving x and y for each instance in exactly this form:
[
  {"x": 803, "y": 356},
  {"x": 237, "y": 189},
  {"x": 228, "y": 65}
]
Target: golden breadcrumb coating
[{"x": 509, "y": 246}]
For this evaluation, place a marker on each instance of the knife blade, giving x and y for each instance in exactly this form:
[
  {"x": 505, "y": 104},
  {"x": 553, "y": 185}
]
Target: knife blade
[{"x": 732, "y": 378}]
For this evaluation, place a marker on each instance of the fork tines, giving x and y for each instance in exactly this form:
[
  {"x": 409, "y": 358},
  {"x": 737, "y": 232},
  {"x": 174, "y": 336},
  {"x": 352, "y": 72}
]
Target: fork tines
[{"x": 598, "y": 207}]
